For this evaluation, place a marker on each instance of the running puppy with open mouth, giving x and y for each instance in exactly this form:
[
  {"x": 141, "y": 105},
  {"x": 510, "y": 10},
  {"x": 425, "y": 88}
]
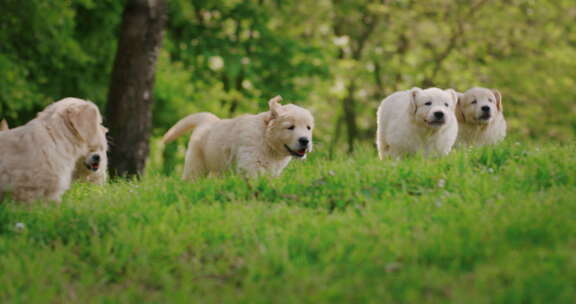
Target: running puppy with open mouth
[
  {"x": 480, "y": 117},
  {"x": 252, "y": 144},
  {"x": 417, "y": 121}
]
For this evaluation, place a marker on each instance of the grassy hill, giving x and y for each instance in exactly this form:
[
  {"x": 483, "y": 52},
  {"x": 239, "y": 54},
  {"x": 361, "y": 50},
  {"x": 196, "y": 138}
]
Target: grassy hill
[{"x": 491, "y": 225}]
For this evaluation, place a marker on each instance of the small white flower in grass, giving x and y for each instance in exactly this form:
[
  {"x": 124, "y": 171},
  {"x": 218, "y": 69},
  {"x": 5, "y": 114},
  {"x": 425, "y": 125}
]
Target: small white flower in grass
[
  {"x": 438, "y": 203},
  {"x": 20, "y": 226},
  {"x": 490, "y": 170},
  {"x": 441, "y": 183}
]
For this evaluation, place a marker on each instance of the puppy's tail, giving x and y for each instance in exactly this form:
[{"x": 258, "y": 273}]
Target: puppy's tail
[
  {"x": 188, "y": 123},
  {"x": 4, "y": 125}
]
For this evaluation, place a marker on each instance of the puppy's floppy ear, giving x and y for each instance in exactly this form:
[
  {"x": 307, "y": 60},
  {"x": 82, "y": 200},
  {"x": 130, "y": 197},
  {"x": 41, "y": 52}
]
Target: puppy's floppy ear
[
  {"x": 454, "y": 96},
  {"x": 274, "y": 105},
  {"x": 4, "y": 125},
  {"x": 459, "y": 105},
  {"x": 498, "y": 99},
  {"x": 414, "y": 92},
  {"x": 85, "y": 120}
]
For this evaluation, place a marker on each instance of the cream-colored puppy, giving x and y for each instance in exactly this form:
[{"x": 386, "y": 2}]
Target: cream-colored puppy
[
  {"x": 480, "y": 117},
  {"x": 92, "y": 168},
  {"x": 252, "y": 144},
  {"x": 417, "y": 121},
  {"x": 37, "y": 160}
]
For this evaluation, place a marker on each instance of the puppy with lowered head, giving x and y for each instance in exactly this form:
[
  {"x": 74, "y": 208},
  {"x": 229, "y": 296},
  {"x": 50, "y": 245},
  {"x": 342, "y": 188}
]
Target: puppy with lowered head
[
  {"x": 252, "y": 144},
  {"x": 417, "y": 121},
  {"x": 480, "y": 117},
  {"x": 91, "y": 168},
  {"x": 37, "y": 160}
]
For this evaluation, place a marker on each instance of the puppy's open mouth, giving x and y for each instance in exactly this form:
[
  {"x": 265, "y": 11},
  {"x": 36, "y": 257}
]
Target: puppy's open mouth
[
  {"x": 297, "y": 153},
  {"x": 94, "y": 166},
  {"x": 485, "y": 117}
]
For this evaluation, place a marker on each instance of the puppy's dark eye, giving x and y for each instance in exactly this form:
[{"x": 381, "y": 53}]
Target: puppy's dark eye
[
  {"x": 428, "y": 103},
  {"x": 490, "y": 100},
  {"x": 308, "y": 127},
  {"x": 474, "y": 101},
  {"x": 446, "y": 104},
  {"x": 291, "y": 128}
]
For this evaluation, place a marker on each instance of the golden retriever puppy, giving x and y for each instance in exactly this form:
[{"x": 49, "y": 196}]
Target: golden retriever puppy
[
  {"x": 417, "y": 121},
  {"x": 480, "y": 117},
  {"x": 252, "y": 144},
  {"x": 37, "y": 160},
  {"x": 91, "y": 168}
]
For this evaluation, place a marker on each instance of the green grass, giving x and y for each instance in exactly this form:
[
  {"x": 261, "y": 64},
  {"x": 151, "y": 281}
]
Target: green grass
[{"x": 491, "y": 225}]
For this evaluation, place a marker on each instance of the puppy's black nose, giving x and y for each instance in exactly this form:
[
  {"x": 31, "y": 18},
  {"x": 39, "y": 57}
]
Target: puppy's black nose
[
  {"x": 439, "y": 115},
  {"x": 303, "y": 141},
  {"x": 95, "y": 158},
  {"x": 485, "y": 109}
]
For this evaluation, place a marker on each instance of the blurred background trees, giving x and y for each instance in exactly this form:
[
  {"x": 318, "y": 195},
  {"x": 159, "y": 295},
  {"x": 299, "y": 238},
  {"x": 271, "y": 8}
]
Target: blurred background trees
[{"x": 337, "y": 57}]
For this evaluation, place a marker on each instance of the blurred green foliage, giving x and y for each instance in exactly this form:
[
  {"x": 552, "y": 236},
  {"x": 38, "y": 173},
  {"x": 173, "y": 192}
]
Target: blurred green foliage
[
  {"x": 338, "y": 58},
  {"x": 54, "y": 49}
]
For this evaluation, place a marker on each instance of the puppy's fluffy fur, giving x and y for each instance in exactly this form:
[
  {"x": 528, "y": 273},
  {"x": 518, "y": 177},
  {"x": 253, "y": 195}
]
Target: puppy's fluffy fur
[
  {"x": 253, "y": 144},
  {"x": 417, "y": 121},
  {"x": 37, "y": 159},
  {"x": 480, "y": 117},
  {"x": 91, "y": 168}
]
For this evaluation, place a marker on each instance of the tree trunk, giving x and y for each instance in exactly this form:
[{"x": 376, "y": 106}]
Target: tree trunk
[
  {"x": 129, "y": 109},
  {"x": 349, "y": 108}
]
